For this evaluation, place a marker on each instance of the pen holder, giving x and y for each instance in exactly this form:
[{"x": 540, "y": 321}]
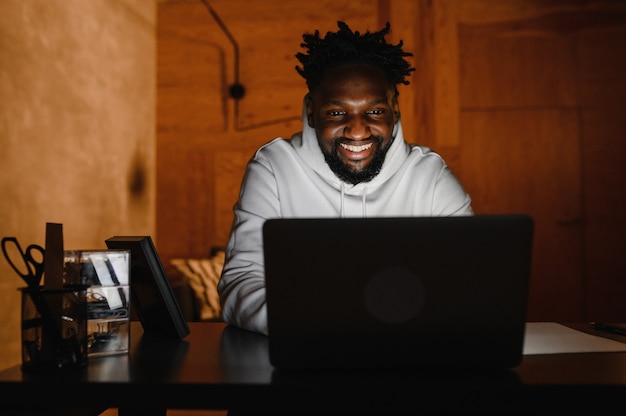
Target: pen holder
[{"x": 54, "y": 328}]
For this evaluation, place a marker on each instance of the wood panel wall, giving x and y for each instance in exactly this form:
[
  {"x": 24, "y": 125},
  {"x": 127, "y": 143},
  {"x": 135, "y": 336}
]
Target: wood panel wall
[{"x": 524, "y": 99}]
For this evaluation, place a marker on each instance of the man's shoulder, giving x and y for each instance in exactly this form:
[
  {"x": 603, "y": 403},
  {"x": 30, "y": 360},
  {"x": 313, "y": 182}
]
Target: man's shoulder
[
  {"x": 423, "y": 157},
  {"x": 274, "y": 145},
  {"x": 423, "y": 152},
  {"x": 274, "y": 148}
]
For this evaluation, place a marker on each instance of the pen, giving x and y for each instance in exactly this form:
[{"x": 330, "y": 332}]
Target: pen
[{"x": 613, "y": 329}]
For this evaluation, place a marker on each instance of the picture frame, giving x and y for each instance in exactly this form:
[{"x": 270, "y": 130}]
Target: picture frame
[{"x": 151, "y": 293}]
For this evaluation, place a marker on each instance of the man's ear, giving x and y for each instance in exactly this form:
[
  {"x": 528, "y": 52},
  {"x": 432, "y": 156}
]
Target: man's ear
[{"x": 308, "y": 103}]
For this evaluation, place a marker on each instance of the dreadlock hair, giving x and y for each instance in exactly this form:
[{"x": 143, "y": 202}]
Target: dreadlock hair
[{"x": 347, "y": 47}]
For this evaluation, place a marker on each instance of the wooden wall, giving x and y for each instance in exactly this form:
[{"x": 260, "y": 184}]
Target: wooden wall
[{"x": 524, "y": 99}]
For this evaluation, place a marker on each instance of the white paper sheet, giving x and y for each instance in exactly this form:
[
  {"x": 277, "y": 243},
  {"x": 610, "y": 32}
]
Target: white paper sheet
[{"x": 554, "y": 338}]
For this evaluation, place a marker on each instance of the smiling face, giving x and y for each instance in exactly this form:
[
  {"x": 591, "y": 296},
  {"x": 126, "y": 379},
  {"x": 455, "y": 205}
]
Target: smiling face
[{"x": 353, "y": 111}]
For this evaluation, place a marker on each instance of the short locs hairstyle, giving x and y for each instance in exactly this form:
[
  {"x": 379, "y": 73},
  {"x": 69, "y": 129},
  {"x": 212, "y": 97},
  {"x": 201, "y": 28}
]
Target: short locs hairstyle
[{"x": 346, "y": 47}]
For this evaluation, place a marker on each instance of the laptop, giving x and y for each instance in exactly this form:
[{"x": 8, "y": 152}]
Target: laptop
[{"x": 397, "y": 293}]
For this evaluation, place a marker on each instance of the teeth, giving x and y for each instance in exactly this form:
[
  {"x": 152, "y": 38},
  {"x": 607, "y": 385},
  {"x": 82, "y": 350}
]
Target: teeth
[{"x": 354, "y": 148}]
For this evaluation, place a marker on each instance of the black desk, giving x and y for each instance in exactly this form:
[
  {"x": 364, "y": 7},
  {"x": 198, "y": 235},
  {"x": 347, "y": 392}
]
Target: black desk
[{"x": 221, "y": 367}]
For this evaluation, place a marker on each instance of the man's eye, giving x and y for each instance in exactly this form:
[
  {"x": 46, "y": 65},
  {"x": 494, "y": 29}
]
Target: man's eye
[
  {"x": 336, "y": 113},
  {"x": 376, "y": 112}
]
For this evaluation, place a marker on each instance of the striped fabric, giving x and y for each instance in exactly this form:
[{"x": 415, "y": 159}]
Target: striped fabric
[{"x": 203, "y": 275}]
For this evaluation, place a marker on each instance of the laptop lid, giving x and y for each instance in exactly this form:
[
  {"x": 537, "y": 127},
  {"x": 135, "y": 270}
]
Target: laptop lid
[{"x": 397, "y": 293}]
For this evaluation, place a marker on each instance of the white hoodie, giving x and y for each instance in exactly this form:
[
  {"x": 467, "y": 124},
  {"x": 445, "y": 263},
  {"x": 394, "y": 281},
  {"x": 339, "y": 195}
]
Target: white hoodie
[{"x": 290, "y": 178}]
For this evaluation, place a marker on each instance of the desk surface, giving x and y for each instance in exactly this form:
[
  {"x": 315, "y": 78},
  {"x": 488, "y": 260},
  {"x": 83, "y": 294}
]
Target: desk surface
[{"x": 222, "y": 367}]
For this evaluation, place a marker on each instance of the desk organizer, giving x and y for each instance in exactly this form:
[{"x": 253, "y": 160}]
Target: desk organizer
[
  {"x": 106, "y": 273},
  {"x": 54, "y": 328}
]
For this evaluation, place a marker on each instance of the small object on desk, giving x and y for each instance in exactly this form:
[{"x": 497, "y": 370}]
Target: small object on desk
[
  {"x": 155, "y": 303},
  {"x": 107, "y": 275},
  {"x": 33, "y": 267},
  {"x": 619, "y": 329},
  {"x": 53, "y": 257},
  {"x": 53, "y": 281},
  {"x": 32, "y": 274},
  {"x": 555, "y": 338},
  {"x": 46, "y": 345},
  {"x": 54, "y": 319}
]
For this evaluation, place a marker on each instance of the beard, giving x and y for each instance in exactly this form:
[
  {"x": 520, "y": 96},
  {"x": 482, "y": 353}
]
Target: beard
[{"x": 347, "y": 173}]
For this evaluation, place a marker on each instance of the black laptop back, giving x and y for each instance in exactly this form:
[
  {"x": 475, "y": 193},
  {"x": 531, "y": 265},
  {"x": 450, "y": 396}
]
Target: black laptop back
[{"x": 397, "y": 293}]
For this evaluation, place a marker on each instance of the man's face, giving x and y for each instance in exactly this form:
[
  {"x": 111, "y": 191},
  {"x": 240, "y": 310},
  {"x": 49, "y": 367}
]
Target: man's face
[{"x": 353, "y": 112}]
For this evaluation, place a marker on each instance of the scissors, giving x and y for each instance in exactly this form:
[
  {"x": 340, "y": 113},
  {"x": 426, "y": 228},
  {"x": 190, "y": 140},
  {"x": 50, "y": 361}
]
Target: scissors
[{"x": 34, "y": 267}]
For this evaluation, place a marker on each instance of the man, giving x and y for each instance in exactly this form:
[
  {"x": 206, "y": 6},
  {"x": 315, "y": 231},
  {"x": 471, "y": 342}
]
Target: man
[{"x": 350, "y": 160}]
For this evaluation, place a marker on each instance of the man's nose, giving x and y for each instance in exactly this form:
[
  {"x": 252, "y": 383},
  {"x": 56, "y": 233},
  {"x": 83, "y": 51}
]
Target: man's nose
[{"x": 356, "y": 129}]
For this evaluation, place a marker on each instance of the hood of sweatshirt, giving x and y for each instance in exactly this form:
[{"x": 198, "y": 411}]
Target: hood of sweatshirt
[{"x": 305, "y": 143}]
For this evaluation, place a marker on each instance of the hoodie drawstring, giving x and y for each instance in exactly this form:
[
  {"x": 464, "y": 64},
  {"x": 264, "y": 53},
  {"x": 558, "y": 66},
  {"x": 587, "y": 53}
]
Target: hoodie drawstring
[
  {"x": 363, "y": 201},
  {"x": 342, "y": 197}
]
